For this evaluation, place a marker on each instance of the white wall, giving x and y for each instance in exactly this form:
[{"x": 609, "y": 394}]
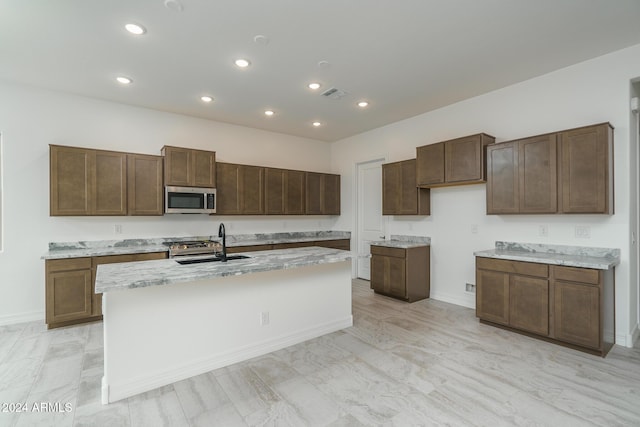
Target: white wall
[
  {"x": 31, "y": 119},
  {"x": 591, "y": 92}
]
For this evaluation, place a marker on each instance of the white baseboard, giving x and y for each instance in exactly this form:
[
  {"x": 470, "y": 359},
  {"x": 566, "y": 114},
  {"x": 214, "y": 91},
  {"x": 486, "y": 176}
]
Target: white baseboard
[
  {"x": 30, "y": 316},
  {"x": 627, "y": 340},
  {"x": 192, "y": 368},
  {"x": 452, "y": 299}
]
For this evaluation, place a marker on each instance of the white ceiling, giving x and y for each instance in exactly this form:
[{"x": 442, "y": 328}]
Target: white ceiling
[{"x": 405, "y": 57}]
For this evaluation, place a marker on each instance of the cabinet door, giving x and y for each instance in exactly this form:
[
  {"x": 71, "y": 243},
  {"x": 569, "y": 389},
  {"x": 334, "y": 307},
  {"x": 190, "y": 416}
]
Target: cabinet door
[
  {"x": 430, "y": 164},
  {"x": 397, "y": 277},
  {"x": 330, "y": 194},
  {"x": 69, "y": 171},
  {"x": 203, "y": 171},
  {"x": 529, "y": 304},
  {"x": 492, "y": 296},
  {"x": 587, "y": 170},
  {"x": 577, "y": 313},
  {"x": 463, "y": 159},
  {"x": 251, "y": 190},
  {"x": 228, "y": 178},
  {"x": 109, "y": 184},
  {"x": 177, "y": 167},
  {"x": 538, "y": 174},
  {"x": 313, "y": 205},
  {"x": 378, "y": 275},
  {"x": 388, "y": 275},
  {"x": 391, "y": 188},
  {"x": 145, "y": 185},
  {"x": 274, "y": 191},
  {"x": 68, "y": 295},
  {"x": 503, "y": 191},
  {"x": 294, "y": 195},
  {"x": 408, "y": 189}
]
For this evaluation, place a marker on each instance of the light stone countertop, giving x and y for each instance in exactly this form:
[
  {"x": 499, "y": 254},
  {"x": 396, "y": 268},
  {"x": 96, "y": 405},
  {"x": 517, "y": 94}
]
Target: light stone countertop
[
  {"x": 572, "y": 256},
  {"x": 61, "y": 250},
  {"x": 122, "y": 276},
  {"x": 403, "y": 242}
]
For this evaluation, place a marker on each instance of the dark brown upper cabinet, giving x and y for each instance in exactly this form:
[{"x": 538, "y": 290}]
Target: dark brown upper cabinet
[
  {"x": 564, "y": 172},
  {"x": 87, "y": 182},
  {"x": 522, "y": 176},
  {"x": 456, "y": 162},
  {"x": 284, "y": 192},
  {"x": 144, "y": 184},
  {"x": 240, "y": 189},
  {"x": 586, "y": 163},
  {"x": 400, "y": 195},
  {"x": 188, "y": 167},
  {"x": 322, "y": 194}
]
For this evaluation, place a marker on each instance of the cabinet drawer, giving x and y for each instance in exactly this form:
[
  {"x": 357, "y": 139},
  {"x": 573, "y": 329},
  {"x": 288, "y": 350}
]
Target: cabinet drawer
[
  {"x": 111, "y": 259},
  {"x": 68, "y": 264},
  {"x": 252, "y": 248},
  {"x": 517, "y": 267},
  {"x": 343, "y": 244},
  {"x": 576, "y": 274},
  {"x": 387, "y": 251}
]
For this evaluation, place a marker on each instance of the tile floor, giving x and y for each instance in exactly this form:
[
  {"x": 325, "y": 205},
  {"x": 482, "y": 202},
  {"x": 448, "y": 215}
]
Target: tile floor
[{"x": 426, "y": 363}]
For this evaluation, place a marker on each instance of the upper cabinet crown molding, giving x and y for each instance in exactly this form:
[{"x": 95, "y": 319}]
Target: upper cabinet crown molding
[
  {"x": 458, "y": 161},
  {"x": 188, "y": 167},
  {"x": 569, "y": 171}
]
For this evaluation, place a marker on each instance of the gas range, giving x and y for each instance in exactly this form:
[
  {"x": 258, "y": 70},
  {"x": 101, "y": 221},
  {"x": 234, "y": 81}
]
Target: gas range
[{"x": 194, "y": 247}]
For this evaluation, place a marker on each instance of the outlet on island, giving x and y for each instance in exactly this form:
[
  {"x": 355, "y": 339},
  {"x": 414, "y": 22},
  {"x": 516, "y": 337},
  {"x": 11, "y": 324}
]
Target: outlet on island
[{"x": 264, "y": 318}]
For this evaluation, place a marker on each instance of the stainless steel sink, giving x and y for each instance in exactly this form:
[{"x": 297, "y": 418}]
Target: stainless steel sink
[{"x": 210, "y": 259}]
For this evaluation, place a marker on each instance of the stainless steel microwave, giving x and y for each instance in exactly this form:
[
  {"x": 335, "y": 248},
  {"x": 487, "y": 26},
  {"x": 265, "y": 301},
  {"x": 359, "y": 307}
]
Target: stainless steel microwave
[{"x": 189, "y": 200}]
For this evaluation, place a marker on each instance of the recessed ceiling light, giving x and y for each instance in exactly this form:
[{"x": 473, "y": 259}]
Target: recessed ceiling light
[
  {"x": 316, "y": 124},
  {"x": 363, "y": 104},
  {"x": 261, "y": 40},
  {"x": 135, "y": 29},
  {"x": 206, "y": 98},
  {"x": 314, "y": 86},
  {"x": 242, "y": 63},
  {"x": 173, "y": 5},
  {"x": 269, "y": 113},
  {"x": 124, "y": 80}
]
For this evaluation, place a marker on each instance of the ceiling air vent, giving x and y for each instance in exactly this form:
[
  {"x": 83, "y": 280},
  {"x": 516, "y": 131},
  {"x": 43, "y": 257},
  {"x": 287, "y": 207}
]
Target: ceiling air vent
[{"x": 334, "y": 93}]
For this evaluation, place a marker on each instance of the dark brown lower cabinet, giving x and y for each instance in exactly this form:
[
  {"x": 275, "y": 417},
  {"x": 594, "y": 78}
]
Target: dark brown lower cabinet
[
  {"x": 69, "y": 291},
  {"x": 70, "y": 287},
  {"x": 401, "y": 273},
  {"x": 566, "y": 305}
]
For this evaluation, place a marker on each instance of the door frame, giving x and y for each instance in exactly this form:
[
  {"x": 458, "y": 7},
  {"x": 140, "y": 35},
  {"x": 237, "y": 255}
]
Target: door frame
[{"x": 358, "y": 209}]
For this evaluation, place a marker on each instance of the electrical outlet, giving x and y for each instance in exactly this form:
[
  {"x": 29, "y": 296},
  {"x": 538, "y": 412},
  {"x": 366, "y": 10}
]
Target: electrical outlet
[
  {"x": 117, "y": 228},
  {"x": 543, "y": 231},
  {"x": 583, "y": 232},
  {"x": 474, "y": 228},
  {"x": 264, "y": 318},
  {"x": 470, "y": 287}
]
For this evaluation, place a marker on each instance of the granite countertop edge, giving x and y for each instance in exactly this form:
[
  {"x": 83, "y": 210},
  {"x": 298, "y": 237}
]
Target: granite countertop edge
[
  {"x": 599, "y": 263},
  {"x": 132, "y": 275},
  {"x": 403, "y": 241},
  {"x": 159, "y": 247}
]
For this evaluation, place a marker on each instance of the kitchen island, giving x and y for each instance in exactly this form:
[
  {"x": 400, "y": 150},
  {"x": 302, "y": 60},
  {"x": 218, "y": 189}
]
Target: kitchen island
[{"x": 164, "y": 322}]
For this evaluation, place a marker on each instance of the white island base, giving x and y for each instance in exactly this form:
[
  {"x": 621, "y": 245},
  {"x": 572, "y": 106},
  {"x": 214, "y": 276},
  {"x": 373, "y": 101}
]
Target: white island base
[{"x": 157, "y": 335}]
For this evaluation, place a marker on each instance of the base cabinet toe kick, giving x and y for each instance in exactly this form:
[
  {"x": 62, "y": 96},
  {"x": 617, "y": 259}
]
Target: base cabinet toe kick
[{"x": 570, "y": 306}]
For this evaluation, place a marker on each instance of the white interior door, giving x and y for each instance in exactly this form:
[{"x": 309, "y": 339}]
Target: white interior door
[{"x": 370, "y": 219}]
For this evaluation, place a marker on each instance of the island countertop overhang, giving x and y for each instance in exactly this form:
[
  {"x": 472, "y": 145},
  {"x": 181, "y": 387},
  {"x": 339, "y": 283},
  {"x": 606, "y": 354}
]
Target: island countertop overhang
[{"x": 123, "y": 276}]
